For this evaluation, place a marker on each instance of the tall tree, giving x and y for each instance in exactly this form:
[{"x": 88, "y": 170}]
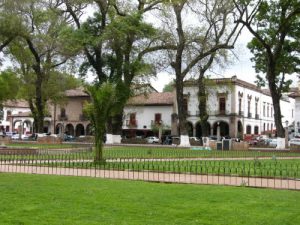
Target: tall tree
[
  {"x": 115, "y": 41},
  {"x": 104, "y": 101},
  {"x": 275, "y": 46},
  {"x": 10, "y": 23},
  {"x": 196, "y": 42},
  {"x": 39, "y": 51},
  {"x": 9, "y": 85}
]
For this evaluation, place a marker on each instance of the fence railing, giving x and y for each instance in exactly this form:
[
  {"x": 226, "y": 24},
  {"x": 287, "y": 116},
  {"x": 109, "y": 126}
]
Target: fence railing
[{"x": 256, "y": 169}]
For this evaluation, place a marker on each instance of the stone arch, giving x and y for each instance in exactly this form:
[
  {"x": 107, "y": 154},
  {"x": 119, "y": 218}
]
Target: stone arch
[
  {"x": 79, "y": 130},
  {"x": 47, "y": 126},
  {"x": 59, "y": 128},
  {"x": 224, "y": 128},
  {"x": 28, "y": 126},
  {"x": 89, "y": 129},
  {"x": 199, "y": 129},
  {"x": 190, "y": 128},
  {"x": 69, "y": 129},
  {"x": 17, "y": 123},
  {"x": 240, "y": 129}
]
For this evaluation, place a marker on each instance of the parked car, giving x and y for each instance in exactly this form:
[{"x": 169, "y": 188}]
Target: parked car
[
  {"x": 152, "y": 139},
  {"x": 195, "y": 139},
  {"x": 69, "y": 137},
  {"x": 24, "y": 137},
  {"x": 294, "y": 141},
  {"x": 15, "y": 137},
  {"x": 9, "y": 133}
]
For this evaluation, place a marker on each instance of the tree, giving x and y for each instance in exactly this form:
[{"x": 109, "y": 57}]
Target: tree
[
  {"x": 10, "y": 24},
  {"x": 39, "y": 51},
  {"x": 9, "y": 85},
  {"x": 115, "y": 41},
  {"x": 275, "y": 46},
  {"x": 169, "y": 87},
  {"x": 194, "y": 43},
  {"x": 104, "y": 100}
]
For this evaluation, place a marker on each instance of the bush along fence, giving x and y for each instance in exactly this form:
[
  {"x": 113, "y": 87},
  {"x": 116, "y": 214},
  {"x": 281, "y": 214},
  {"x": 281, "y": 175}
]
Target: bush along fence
[{"x": 255, "y": 169}]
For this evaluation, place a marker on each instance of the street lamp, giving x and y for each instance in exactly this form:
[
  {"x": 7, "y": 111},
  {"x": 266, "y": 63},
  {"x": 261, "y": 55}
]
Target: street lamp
[{"x": 286, "y": 134}]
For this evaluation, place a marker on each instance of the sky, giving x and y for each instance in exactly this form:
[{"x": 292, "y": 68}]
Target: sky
[{"x": 241, "y": 66}]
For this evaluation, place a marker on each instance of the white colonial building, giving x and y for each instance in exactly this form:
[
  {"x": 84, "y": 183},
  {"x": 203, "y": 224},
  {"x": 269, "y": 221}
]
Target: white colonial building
[
  {"x": 148, "y": 112},
  {"x": 238, "y": 107},
  {"x": 13, "y": 116}
]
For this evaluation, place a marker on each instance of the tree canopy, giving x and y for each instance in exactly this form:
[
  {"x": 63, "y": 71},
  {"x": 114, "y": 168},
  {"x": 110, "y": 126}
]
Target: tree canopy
[{"x": 275, "y": 46}]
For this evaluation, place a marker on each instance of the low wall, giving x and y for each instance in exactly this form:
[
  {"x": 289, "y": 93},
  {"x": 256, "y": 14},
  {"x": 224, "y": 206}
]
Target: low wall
[
  {"x": 5, "y": 140},
  {"x": 49, "y": 140},
  {"x": 236, "y": 146}
]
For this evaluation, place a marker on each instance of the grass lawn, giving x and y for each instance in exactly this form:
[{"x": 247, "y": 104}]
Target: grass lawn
[
  {"x": 54, "y": 200},
  {"x": 111, "y": 152}
]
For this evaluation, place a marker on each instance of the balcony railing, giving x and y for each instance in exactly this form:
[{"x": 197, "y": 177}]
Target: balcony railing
[
  {"x": 63, "y": 117},
  {"x": 222, "y": 112},
  {"x": 131, "y": 123},
  {"x": 249, "y": 115},
  {"x": 153, "y": 122},
  {"x": 257, "y": 116},
  {"x": 83, "y": 117},
  {"x": 241, "y": 113}
]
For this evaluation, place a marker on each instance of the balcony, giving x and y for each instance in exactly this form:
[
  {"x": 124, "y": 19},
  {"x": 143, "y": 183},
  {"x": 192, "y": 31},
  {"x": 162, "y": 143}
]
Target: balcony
[
  {"x": 257, "y": 116},
  {"x": 63, "y": 117},
  {"x": 222, "y": 112},
  {"x": 249, "y": 115},
  {"x": 156, "y": 123},
  {"x": 83, "y": 117},
  {"x": 131, "y": 123},
  {"x": 241, "y": 113}
]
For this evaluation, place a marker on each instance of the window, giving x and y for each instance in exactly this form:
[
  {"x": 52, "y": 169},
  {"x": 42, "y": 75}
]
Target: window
[
  {"x": 157, "y": 118},
  {"x": 185, "y": 105},
  {"x": 264, "y": 109},
  {"x": 268, "y": 110},
  {"x": 272, "y": 127},
  {"x": 264, "y": 127},
  {"x": 222, "y": 105},
  {"x": 248, "y": 129},
  {"x": 132, "y": 120},
  {"x": 256, "y": 108},
  {"x": 271, "y": 111},
  {"x": 8, "y": 115},
  {"x": 63, "y": 112},
  {"x": 256, "y": 130},
  {"x": 249, "y": 104},
  {"x": 240, "y": 105}
]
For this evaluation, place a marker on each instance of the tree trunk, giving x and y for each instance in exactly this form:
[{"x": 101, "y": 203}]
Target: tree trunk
[
  {"x": 177, "y": 65},
  {"x": 202, "y": 105},
  {"x": 39, "y": 104},
  {"x": 276, "y": 96},
  {"x": 180, "y": 106}
]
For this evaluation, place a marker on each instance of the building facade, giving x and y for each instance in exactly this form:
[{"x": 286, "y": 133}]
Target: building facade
[{"x": 235, "y": 107}]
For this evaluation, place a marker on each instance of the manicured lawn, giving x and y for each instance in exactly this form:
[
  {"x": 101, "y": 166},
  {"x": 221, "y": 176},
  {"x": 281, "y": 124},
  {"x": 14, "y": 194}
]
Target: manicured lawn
[
  {"x": 111, "y": 152},
  {"x": 41, "y": 199},
  {"x": 42, "y": 146}
]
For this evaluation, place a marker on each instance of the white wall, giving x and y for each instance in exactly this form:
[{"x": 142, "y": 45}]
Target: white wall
[{"x": 146, "y": 114}]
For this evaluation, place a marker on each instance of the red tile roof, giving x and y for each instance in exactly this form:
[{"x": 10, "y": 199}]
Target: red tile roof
[
  {"x": 78, "y": 92},
  {"x": 16, "y": 104},
  {"x": 166, "y": 98}
]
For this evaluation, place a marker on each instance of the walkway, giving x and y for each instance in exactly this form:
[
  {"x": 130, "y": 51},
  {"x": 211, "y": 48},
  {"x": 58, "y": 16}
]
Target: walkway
[{"x": 157, "y": 176}]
